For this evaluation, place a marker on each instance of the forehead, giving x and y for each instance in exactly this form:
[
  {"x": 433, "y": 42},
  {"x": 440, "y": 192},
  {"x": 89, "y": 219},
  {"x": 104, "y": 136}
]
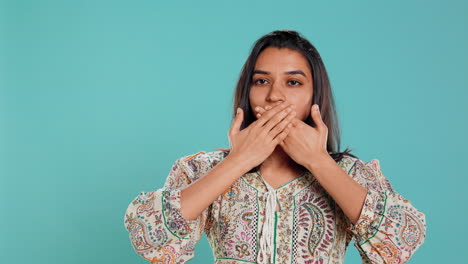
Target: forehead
[{"x": 281, "y": 59}]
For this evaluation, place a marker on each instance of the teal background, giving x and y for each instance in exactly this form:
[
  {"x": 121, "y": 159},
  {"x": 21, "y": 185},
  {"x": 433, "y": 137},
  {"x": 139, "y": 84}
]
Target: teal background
[{"x": 99, "y": 98}]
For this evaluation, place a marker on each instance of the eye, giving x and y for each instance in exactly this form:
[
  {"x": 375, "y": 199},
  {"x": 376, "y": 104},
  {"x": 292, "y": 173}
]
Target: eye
[
  {"x": 256, "y": 81},
  {"x": 298, "y": 83}
]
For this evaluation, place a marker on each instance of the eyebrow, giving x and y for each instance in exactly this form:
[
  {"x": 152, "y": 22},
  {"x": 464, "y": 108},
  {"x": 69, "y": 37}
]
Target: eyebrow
[{"x": 288, "y": 72}]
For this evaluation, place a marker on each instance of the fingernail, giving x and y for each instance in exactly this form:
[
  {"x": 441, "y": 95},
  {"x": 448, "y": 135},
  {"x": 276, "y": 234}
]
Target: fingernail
[
  {"x": 316, "y": 107},
  {"x": 238, "y": 110}
]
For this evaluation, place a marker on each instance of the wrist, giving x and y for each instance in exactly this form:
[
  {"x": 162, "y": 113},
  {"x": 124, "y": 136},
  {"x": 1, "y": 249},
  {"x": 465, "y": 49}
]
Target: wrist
[
  {"x": 324, "y": 160},
  {"x": 240, "y": 163}
]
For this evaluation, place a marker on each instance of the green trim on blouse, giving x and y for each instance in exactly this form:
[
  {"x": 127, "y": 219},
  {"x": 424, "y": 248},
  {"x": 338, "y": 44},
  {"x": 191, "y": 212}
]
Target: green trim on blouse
[
  {"x": 164, "y": 216},
  {"x": 381, "y": 219},
  {"x": 238, "y": 260}
]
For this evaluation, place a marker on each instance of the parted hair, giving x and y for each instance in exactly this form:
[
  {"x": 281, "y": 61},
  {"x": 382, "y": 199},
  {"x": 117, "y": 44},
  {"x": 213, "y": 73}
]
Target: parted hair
[{"x": 322, "y": 94}]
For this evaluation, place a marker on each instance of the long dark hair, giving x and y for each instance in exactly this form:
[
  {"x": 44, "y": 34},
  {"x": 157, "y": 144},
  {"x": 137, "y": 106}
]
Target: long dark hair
[{"x": 322, "y": 94}]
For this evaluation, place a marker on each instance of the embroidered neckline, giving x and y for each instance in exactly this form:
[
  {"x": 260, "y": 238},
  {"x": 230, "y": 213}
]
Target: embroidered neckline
[{"x": 285, "y": 184}]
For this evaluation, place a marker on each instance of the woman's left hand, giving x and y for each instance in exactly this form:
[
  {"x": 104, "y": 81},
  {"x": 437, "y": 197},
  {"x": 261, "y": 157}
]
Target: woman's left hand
[{"x": 304, "y": 143}]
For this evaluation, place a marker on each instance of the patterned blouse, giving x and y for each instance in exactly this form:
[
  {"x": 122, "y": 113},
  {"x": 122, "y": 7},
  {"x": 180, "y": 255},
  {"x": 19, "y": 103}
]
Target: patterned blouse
[{"x": 242, "y": 226}]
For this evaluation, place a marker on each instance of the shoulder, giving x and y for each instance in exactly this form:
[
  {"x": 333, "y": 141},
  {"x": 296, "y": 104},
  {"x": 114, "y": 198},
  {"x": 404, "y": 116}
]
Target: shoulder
[
  {"x": 353, "y": 165},
  {"x": 347, "y": 163},
  {"x": 367, "y": 173}
]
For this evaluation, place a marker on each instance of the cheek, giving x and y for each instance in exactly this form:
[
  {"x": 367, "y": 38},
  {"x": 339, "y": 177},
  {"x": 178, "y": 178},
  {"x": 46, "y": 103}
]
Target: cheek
[
  {"x": 255, "y": 94},
  {"x": 256, "y": 99},
  {"x": 303, "y": 113}
]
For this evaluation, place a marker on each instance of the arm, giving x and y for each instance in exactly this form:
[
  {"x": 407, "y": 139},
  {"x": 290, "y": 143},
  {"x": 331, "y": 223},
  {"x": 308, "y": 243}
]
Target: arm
[
  {"x": 157, "y": 230},
  {"x": 347, "y": 193},
  {"x": 200, "y": 194},
  {"x": 389, "y": 229}
]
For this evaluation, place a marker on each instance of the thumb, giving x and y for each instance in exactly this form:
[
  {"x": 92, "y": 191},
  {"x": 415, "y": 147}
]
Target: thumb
[
  {"x": 235, "y": 128},
  {"x": 316, "y": 116}
]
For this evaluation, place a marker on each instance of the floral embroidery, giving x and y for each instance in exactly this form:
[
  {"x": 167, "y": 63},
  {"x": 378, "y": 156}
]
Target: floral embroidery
[
  {"x": 242, "y": 250},
  {"x": 310, "y": 227}
]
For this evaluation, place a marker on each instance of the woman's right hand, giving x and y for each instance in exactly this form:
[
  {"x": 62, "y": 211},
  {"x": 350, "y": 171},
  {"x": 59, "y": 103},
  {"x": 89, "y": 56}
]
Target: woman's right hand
[{"x": 256, "y": 142}]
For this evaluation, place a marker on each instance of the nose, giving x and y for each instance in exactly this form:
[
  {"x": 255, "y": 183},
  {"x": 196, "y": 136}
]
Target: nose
[{"x": 275, "y": 94}]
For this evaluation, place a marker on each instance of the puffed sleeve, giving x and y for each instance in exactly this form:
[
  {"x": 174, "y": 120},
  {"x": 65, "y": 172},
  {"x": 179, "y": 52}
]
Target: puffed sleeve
[
  {"x": 157, "y": 230},
  {"x": 389, "y": 229}
]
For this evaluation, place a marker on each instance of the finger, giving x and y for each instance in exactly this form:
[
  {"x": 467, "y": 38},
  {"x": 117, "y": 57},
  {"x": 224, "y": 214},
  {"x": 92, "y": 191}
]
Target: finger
[
  {"x": 317, "y": 117},
  {"x": 271, "y": 113},
  {"x": 260, "y": 110},
  {"x": 285, "y": 123},
  {"x": 235, "y": 128},
  {"x": 279, "y": 139},
  {"x": 282, "y": 144},
  {"x": 295, "y": 122},
  {"x": 274, "y": 121}
]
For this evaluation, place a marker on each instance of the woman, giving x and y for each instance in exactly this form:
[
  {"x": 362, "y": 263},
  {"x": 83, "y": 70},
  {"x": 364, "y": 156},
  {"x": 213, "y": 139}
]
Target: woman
[{"x": 283, "y": 193}]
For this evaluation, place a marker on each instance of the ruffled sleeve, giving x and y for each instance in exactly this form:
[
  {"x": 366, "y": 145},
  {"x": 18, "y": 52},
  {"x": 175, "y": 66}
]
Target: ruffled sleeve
[
  {"x": 389, "y": 229},
  {"x": 157, "y": 230}
]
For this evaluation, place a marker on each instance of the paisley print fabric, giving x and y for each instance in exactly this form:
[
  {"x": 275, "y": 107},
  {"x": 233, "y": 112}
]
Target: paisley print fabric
[{"x": 309, "y": 226}]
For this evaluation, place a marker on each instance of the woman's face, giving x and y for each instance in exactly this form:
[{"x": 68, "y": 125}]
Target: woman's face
[{"x": 282, "y": 75}]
